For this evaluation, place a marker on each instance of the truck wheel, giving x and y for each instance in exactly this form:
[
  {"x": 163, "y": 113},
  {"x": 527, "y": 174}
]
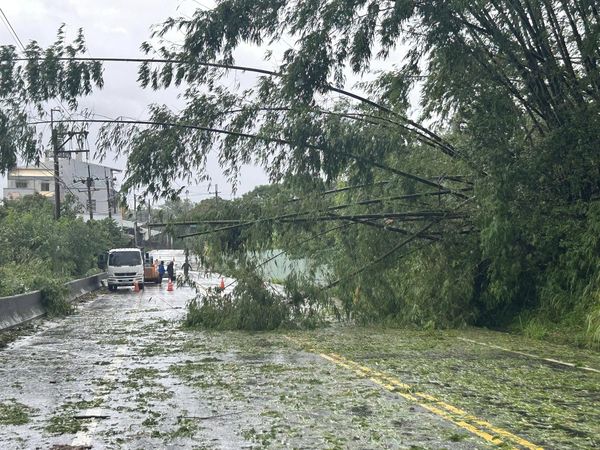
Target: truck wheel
[
  {"x": 111, "y": 288},
  {"x": 141, "y": 286}
]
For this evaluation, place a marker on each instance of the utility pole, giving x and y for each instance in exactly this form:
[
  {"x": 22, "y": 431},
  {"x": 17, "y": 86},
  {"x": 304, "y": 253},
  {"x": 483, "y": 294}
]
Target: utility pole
[
  {"x": 56, "y": 167},
  {"x": 149, "y": 221},
  {"x": 88, "y": 183},
  {"x": 114, "y": 198},
  {"x": 108, "y": 194},
  {"x": 135, "y": 239},
  {"x": 56, "y": 149},
  {"x": 216, "y": 193}
]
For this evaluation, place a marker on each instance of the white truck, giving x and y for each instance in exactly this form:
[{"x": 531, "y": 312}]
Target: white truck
[{"x": 124, "y": 266}]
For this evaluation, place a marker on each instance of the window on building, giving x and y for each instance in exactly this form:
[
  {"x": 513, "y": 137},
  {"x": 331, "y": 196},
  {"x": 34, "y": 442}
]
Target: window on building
[
  {"x": 93, "y": 206},
  {"x": 45, "y": 186},
  {"x": 22, "y": 184}
]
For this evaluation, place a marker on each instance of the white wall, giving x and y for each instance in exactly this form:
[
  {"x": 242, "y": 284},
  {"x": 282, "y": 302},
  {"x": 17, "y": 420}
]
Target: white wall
[{"x": 74, "y": 172}]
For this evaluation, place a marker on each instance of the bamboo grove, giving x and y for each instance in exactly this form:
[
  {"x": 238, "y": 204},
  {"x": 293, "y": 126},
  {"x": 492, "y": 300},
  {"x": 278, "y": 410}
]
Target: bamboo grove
[{"x": 488, "y": 215}]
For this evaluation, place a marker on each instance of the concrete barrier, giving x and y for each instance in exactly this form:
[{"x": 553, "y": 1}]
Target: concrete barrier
[
  {"x": 19, "y": 309},
  {"x": 77, "y": 288}
]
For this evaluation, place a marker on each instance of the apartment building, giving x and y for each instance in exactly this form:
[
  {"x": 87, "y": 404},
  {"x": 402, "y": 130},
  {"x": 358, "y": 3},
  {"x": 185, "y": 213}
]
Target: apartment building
[{"x": 74, "y": 172}]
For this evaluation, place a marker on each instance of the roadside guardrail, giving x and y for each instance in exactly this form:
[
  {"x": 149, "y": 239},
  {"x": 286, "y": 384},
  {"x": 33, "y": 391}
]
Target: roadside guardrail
[{"x": 19, "y": 309}]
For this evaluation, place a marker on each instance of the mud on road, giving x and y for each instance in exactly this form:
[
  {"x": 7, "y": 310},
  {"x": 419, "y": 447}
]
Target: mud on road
[{"x": 122, "y": 373}]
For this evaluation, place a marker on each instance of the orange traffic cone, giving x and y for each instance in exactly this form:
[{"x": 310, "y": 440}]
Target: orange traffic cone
[
  {"x": 170, "y": 286},
  {"x": 136, "y": 286},
  {"x": 222, "y": 285}
]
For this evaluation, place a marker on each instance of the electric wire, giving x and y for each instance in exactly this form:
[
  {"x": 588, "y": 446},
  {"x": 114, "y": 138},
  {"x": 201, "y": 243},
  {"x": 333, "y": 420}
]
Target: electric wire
[
  {"x": 11, "y": 29},
  {"x": 267, "y": 139},
  {"x": 428, "y": 135},
  {"x": 17, "y": 39}
]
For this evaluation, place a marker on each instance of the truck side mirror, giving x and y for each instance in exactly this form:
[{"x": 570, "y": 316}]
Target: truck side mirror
[{"x": 102, "y": 261}]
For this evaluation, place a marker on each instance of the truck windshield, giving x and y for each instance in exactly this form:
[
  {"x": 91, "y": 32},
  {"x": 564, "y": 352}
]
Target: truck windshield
[{"x": 132, "y": 258}]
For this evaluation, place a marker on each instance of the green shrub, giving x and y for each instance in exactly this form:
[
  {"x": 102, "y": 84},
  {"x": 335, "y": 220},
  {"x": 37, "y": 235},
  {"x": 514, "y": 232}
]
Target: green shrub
[
  {"x": 567, "y": 307},
  {"x": 67, "y": 247},
  {"x": 250, "y": 306},
  {"x": 18, "y": 279},
  {"x": 534, "y": 328},
  {"x": 309, "y": 302},
  {"x": 593, "y": 327},
  {"x": 54, "y": 297},
  {"x": 40, "y": 253}
]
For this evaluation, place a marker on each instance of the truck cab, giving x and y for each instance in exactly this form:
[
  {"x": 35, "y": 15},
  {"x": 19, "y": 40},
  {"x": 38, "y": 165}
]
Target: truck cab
[{"x": 124, "y": 267}]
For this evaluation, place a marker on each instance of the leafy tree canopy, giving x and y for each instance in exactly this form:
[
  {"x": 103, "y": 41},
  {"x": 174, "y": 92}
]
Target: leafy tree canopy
[
  {"x": 513, "y": 88},
  {"x": 501, "y": 193},
  {"x": 29, "y": 81}
]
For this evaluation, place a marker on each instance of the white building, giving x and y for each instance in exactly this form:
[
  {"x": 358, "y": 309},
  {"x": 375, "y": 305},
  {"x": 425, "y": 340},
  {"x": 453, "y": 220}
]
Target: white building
[{"x": 73, "y": 176}]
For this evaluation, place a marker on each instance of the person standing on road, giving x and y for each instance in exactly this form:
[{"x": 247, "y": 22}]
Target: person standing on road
[
  {"x": 186, "y": 269},
  {"x": 186, "y": 265},
  {"x": 161, "y": 271},
  {"x": 171, "y": 271}
]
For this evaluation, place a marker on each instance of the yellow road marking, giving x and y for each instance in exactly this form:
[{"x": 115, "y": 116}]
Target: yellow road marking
[
  {"x": 530, "y": 355},
  {"x": 473, "y": 424}
]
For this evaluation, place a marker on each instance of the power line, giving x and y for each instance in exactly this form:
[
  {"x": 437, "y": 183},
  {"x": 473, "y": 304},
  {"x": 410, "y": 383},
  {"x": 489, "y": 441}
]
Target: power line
[
  {"x": 268, "y": 139},
  {"x": 397, "y": 247},
  {"x": 19, "y": 42},
  {"x": 12, "y": 30},
  {"x": 60, "y": 180},
  {"x": 432, "y": 138},
  {"x": 276, "y": 255},
  {"x": 63, "y": 183},
  {"x": 17, "y": 39}
]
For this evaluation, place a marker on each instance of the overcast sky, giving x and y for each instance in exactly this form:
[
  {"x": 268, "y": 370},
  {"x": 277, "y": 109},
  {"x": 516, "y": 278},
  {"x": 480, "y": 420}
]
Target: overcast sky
[{"x": 116, "y": 28}]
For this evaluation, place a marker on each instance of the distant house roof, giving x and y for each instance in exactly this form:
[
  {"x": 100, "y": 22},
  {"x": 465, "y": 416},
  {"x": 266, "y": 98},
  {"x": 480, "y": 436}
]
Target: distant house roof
[
  {"x": 30, "y": 172},
  {"x": 47, "y": 172}
]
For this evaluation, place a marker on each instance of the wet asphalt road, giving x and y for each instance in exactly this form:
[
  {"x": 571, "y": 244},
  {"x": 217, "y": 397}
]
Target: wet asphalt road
[
  {"x": 107, "y": 377},
  {"x": 122, "y": 373}
]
